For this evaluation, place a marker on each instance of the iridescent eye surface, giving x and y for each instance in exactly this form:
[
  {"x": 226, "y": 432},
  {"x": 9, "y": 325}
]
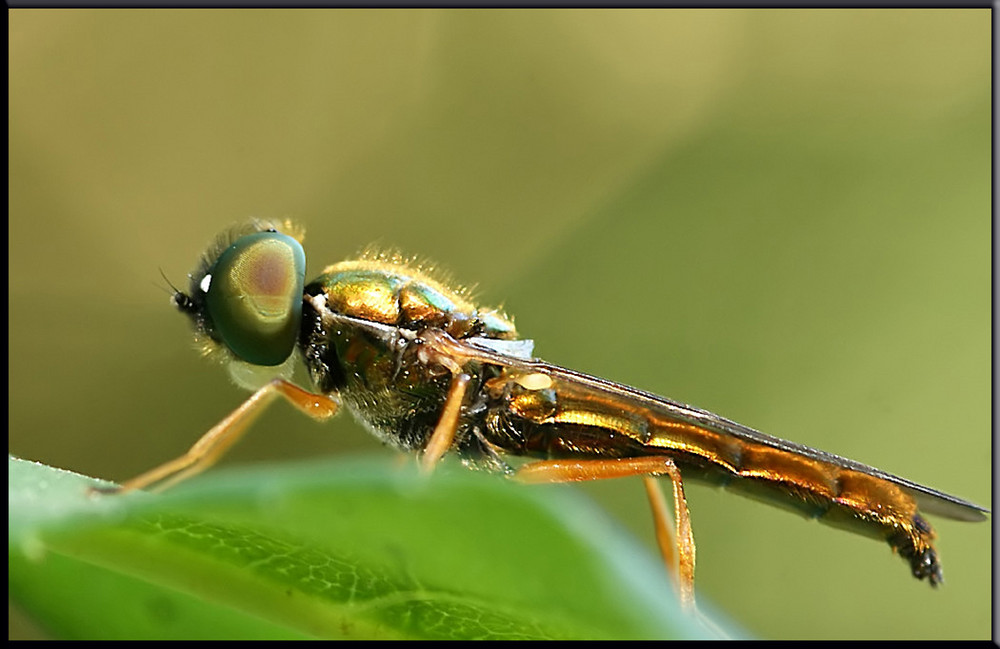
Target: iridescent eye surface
[{"x": 253, "y": 294}]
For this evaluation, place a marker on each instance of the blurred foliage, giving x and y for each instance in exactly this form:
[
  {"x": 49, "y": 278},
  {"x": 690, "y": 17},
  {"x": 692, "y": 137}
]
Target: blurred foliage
[
  {"x": 329, "y": 550},
  {"x": 783, "y": 216}
]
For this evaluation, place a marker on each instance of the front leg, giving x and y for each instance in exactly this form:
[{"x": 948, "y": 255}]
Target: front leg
[{"x": 213, "y": 444}]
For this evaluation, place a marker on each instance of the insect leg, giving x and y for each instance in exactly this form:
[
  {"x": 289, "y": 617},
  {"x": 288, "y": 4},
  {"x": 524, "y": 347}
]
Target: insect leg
[
  {"x": 444, "y": 433},
  {"x": 681, "y": 565},
  {"x": 213, "y": 444}
]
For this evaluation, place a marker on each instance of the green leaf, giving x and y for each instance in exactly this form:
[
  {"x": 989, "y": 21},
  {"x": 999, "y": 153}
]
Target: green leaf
[{"x": 329, "y": 550}]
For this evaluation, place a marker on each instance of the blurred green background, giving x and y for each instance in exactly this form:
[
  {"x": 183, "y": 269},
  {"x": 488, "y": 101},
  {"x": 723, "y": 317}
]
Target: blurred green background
[{"x": 782, "y": 216}]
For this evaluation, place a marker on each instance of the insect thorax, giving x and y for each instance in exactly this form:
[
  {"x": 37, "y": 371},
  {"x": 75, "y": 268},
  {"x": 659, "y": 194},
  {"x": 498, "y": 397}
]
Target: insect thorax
[{"x": 360, "y": 338}]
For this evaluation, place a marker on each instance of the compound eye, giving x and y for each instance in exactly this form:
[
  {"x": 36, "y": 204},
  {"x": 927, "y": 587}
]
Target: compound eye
[{"x": 253, "y": 294}]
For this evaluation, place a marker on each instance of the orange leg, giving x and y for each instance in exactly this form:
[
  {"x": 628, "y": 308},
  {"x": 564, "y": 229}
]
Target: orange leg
[
  {"x": 213, "y": 444},
  {"x": 444, "y": 433},
  {"x": 681, "y": 564}
]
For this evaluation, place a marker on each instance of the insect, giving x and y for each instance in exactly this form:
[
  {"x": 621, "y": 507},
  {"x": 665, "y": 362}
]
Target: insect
[{"x": 427, "y": 371}]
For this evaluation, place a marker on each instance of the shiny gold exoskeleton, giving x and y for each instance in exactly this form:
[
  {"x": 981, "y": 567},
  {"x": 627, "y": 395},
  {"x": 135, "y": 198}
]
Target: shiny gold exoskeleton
[{"x": 426, "y": 370}]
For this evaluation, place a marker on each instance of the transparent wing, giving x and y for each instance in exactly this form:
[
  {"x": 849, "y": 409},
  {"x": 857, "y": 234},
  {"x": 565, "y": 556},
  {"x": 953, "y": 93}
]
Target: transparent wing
[{"x": 603, "y": 396}]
